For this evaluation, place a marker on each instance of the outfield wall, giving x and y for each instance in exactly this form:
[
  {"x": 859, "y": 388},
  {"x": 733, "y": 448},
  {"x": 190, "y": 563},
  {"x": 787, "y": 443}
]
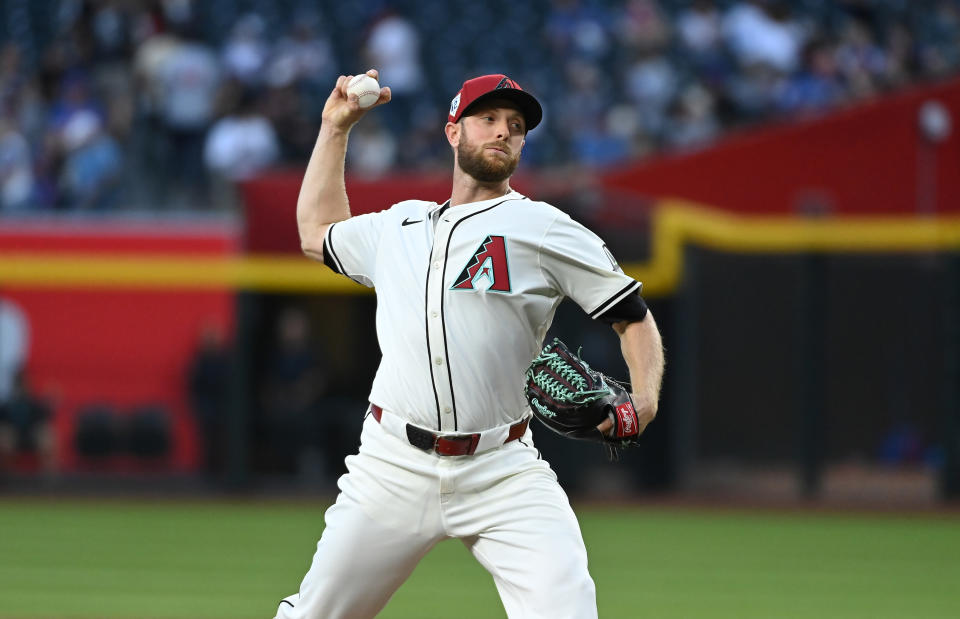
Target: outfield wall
[{"x": 798, "y": 339}]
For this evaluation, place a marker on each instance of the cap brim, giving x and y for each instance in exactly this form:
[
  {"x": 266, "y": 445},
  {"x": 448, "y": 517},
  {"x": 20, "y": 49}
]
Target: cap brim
[{"x": 528, "y": 104}]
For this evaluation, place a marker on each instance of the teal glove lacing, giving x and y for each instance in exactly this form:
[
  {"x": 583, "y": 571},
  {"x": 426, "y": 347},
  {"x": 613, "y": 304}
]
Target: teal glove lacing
[{"x": 558, "y": 391}]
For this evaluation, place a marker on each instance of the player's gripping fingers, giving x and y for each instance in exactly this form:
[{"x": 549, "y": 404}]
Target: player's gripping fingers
[
  {"x": 385, "y": 92},
  {"x": 342, "y": 110},
  {"x": 338, "y": 111},
  {"x": 385, "y": 96}
]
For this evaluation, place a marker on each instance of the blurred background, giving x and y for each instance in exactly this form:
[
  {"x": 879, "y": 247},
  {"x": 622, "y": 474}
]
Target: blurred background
[{"x": 784, "y": 176}]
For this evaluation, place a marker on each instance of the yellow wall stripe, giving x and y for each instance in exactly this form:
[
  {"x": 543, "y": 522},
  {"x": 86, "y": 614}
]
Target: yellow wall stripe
[{"x": 675, "y": 224}]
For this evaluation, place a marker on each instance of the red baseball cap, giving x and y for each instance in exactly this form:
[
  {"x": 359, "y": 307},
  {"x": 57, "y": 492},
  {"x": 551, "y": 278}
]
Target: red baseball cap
[{"x": 492, "y": 87}]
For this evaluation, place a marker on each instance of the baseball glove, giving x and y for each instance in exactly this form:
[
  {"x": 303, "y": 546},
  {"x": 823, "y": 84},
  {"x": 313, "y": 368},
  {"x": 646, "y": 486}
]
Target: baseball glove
[{"x": 572, "y": 399}]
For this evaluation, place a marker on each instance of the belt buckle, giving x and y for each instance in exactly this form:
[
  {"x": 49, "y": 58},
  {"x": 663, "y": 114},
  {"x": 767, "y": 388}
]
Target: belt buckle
[
  {"x": 468, "y": 441},
  {"x": 442, "y": 445}
]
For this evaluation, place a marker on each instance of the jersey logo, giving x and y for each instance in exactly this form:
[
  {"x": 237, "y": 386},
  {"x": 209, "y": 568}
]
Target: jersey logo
[
  {"x": 487, "y": 269},
  {"x": 613, "y": 261}
]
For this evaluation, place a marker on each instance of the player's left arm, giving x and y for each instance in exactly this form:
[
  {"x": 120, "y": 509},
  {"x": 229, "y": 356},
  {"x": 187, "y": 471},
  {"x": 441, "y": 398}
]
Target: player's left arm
[{"x": 642, "y": 349}]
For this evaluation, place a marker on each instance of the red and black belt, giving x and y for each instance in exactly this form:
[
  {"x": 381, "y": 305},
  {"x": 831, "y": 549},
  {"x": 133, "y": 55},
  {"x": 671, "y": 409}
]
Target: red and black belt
[{"x": 450, "y": 444}]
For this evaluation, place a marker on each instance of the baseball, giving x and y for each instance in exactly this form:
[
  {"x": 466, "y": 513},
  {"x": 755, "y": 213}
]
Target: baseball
[{"x": 366, "y": 88}]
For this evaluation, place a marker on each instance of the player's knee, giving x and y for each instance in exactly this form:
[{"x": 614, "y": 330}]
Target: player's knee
[
  {"x": 565, "y": 584},
  {"x": 574, "y": 599}
]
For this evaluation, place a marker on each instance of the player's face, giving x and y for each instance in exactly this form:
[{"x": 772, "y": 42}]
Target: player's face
[{"x": 491, "y": 139}]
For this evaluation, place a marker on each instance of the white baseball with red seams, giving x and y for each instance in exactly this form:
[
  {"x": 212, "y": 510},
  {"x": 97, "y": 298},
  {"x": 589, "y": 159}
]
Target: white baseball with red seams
[{"x": 366, "y": 89}]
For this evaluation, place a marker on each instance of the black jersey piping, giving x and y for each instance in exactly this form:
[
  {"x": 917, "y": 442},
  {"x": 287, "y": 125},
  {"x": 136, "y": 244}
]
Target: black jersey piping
[
  {"x": 328, "y": 243},
  {"x": 616, "y": 298},
  {"x": 443, "y": 316},
  {"x": 426, "y": 324}
]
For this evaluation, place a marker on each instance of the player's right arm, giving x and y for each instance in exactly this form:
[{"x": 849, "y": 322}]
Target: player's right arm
[{"x": 323, "y": 194}]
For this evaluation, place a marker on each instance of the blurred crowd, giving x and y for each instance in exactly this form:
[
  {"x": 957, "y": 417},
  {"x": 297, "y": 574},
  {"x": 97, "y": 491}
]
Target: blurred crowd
[{"x": 167, "y": 104}]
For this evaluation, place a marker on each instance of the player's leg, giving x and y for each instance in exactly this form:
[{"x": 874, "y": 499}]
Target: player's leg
[
  {"x": 358, "y": 565},
  {"x": 531, "y": 544},
  {"x": 374, "y": 537}
]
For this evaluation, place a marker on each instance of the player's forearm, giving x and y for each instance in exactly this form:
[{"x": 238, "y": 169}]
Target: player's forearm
[
  {"x": 642, "y": 349},
  {"x": 323, "y": 194}
]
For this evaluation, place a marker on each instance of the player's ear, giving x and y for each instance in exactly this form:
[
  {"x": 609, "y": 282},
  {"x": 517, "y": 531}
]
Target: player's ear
[{"x": 453, "y": 133}]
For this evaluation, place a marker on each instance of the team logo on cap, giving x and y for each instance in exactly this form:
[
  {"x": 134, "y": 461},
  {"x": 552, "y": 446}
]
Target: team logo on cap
[
  {"x": 454, "y": 105},
  {"x": 487, "y": 268},
  {"x": 507, "y": 83}
]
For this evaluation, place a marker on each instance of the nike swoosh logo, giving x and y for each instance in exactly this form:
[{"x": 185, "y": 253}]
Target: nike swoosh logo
[{"x": 407, "y": 222}]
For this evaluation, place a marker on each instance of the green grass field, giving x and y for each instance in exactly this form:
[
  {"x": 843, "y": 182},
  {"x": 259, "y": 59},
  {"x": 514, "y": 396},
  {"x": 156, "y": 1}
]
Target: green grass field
[{"x": 236, "y": 560}]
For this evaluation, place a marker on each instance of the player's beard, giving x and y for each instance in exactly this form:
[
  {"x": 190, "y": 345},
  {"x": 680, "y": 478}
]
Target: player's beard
[{"x": 485, "y": 168}]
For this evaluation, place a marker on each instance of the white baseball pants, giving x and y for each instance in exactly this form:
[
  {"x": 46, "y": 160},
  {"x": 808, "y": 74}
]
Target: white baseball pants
[{"x": 396, "y": 502}]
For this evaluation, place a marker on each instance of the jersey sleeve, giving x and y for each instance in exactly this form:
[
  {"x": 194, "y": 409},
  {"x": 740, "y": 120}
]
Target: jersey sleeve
[
  {"x": 576, "y": 262},
  {"x": 350, "y": 247}
]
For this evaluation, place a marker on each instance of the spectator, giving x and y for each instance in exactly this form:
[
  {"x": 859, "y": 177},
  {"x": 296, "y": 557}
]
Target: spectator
[
  {"x": 651, "y": 84},
  {"x": 578, "y": 31},
  {"x": 296, "y": 127},
  {"x": 188, "y": 77},
  {"x": 901, "y": 57},
  {"x": 394, "y": 48},
  {"x": 245, "y": 53},
  {"x": 700, "y": 34},
  {"x": 699, "y": 28},
  {"x": 580, "y": 114},
  {"x": 748, "y": 56},
  {"x": 860, "y": 60},
  {"x": 14, "y": 345},
  {"x": 75, "y": 97},
  {"x": 92, "y": 164},
  {"x": 242, "y": 143},
  {"x": 294, "y": 381},
  {"x": 940, "y": 46},
  {"x": 16, "y": 168},
  {"x": 817, "y": 85},
  {"x": 642, "y": 26},
  {"x": 25, "y": 426},
  {"x": 373, "y": 149},
  {"x": 692, "y": 120},
  {"x": 752, "y": 92},
  {"x": 20, "y": 102},
  {"x": 303, "y": 56},
  {"x": 208, "y": 381},
  {"x": 762, "y": 32}
]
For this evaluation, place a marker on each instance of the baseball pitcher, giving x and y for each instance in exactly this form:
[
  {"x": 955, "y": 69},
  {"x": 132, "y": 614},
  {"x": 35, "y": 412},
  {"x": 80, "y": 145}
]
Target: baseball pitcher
[{"x": 466, "y": 291}]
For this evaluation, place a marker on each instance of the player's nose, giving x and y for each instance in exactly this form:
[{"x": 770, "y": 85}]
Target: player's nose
[{"x": 503, "y": 129}]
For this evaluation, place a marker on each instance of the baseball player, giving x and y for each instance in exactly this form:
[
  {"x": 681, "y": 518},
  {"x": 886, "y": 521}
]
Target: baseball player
[{"x": 466, "y": 291}]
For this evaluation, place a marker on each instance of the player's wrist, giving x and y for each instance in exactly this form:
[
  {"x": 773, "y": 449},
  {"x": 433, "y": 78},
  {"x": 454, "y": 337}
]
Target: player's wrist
[{"x": 332, "y": 130}]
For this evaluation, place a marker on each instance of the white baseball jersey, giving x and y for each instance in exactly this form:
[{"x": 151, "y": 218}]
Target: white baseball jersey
[{"x": 465, "y": 295}]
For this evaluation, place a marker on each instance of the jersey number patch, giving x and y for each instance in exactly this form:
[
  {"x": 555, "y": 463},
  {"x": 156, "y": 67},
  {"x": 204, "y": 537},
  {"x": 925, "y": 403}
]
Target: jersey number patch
[{"x": 487, "y": 269}]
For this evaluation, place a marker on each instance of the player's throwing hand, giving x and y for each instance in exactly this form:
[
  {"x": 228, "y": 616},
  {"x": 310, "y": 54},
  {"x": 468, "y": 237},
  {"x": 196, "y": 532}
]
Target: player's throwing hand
[{"x": 342, "y": 111}]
